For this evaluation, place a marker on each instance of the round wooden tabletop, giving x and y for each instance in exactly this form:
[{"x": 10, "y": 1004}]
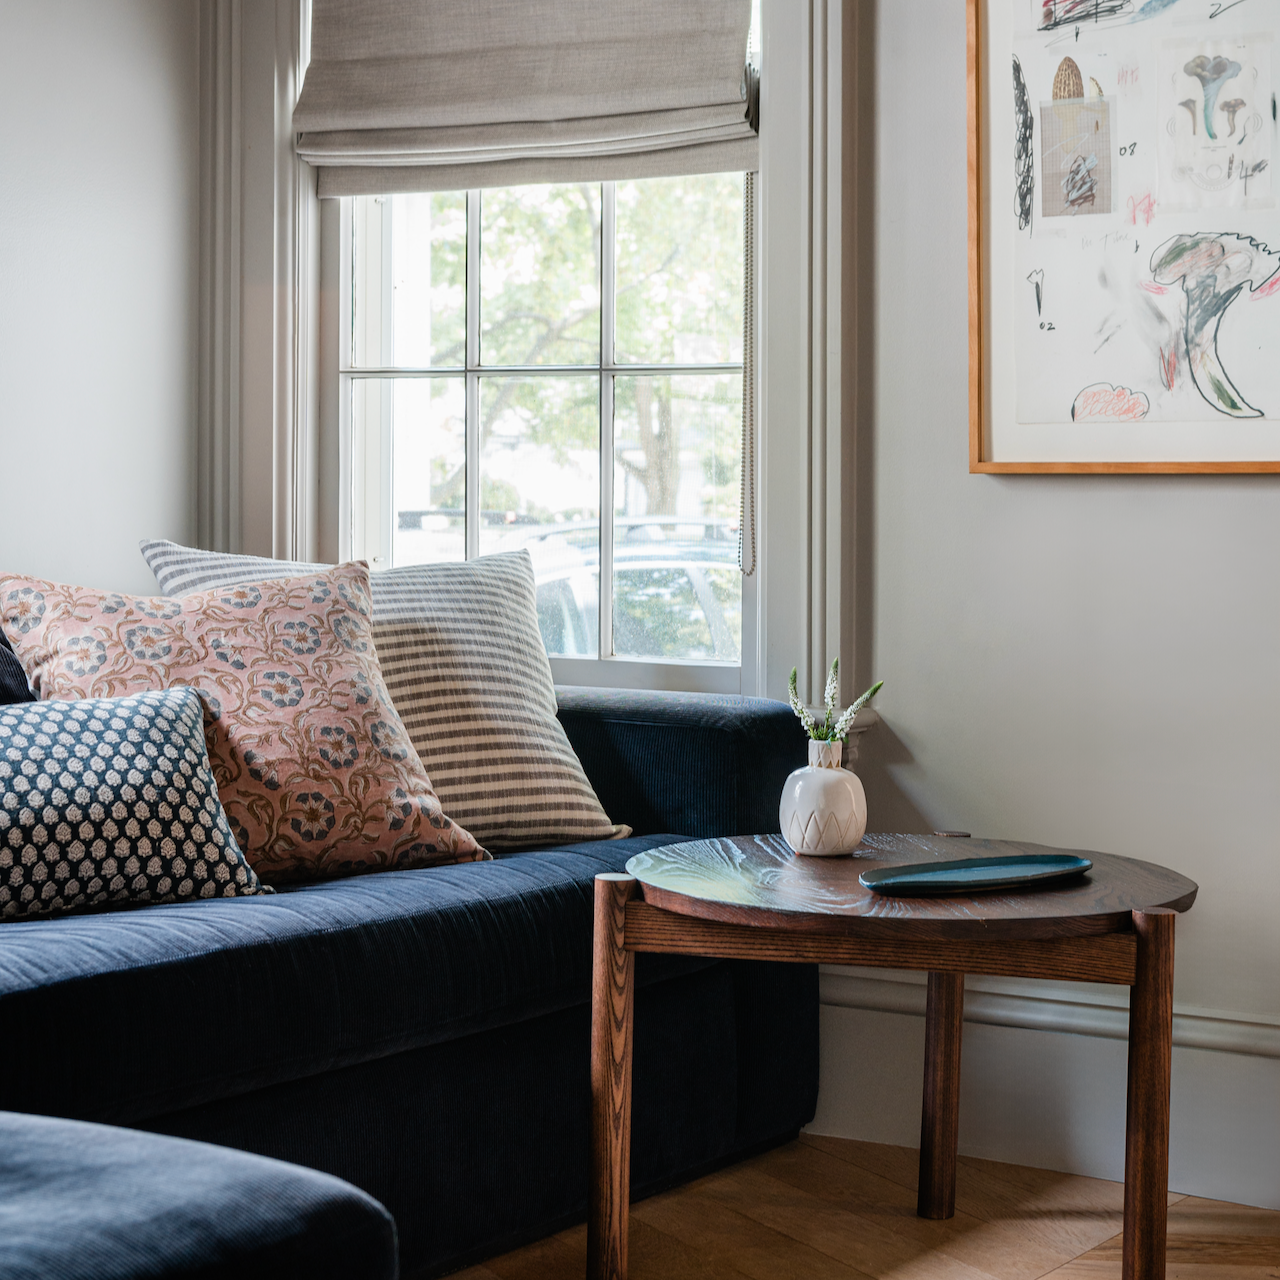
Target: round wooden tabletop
[{"x": 758, "y": 880}]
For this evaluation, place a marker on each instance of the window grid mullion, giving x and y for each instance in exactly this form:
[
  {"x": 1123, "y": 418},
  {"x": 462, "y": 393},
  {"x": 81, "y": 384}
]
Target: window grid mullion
[
  {"x": 538, "y": 370},
  {"x": 473, "y": 376},
  {"x": 608, "y": 280}
]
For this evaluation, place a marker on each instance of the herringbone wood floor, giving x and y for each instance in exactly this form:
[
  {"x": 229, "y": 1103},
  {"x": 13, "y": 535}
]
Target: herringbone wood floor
[{"x": 828, "y": 1209}]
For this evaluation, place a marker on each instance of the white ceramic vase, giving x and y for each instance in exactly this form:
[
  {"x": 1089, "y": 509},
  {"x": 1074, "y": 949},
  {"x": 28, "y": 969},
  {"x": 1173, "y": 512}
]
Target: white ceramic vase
[{"x": 824, "y": 809}]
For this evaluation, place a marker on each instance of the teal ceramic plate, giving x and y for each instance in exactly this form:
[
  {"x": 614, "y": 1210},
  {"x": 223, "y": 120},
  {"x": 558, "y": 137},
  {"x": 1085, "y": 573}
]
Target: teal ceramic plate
[{"x": 970, "y": 875}]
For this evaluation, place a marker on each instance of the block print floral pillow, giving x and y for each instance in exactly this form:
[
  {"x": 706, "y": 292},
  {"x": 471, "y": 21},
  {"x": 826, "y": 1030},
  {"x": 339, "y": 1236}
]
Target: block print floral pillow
[{"x": 314, "y": 767}]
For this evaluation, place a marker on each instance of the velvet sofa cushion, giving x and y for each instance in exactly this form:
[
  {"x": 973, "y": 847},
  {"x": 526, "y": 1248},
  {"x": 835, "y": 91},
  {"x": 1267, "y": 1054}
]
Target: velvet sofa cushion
[
  {"x": 112, "y": 800},
  {"x": 90, "y": 1202},
  {"x": 13, "y": 680},
  {"x": 703, "y": 763},
  {"x": 314, "y": 766},
  {"x": 178, "y": 1005}
]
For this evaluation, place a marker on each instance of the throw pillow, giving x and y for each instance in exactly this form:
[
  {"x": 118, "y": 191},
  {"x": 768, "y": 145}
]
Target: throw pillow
[
  {"x": 315, "y": 769},
  {"x": 467, "y": 670},
  {"x": 13, "y": 680},
  {"x": 112, "y": 800}
]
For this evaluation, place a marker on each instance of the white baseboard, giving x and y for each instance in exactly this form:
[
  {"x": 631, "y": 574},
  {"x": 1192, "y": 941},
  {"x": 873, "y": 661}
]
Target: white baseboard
[
  {"x": 1044, "y": 1076},
  {"x": 1078, "y": 1009}
]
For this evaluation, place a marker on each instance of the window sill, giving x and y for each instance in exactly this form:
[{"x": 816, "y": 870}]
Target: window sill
[{"x": 627, "y": 673}]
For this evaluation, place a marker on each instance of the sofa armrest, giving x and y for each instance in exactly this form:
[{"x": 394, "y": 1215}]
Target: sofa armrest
[{"x": 694, "y": 764}]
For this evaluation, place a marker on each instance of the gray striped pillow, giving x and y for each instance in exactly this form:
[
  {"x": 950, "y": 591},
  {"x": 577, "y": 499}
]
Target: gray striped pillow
[{"x": 466, "y": 668}]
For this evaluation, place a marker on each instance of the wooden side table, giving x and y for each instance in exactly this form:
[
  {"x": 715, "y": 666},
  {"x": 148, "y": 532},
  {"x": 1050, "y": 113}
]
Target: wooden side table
[{"x": 751, "y": 898}]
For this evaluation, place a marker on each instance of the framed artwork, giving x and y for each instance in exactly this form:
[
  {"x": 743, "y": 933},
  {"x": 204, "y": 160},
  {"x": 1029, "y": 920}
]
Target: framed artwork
[{"x": 1124, "y": 236}]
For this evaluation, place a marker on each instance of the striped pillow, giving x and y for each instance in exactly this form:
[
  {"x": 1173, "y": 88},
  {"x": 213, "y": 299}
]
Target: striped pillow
[{"x": 466, "y": 668}]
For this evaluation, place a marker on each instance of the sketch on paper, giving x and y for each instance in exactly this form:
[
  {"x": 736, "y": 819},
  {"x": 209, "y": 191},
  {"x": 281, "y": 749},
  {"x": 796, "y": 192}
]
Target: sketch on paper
[
  {"x": 1158, "y": 225},
  {"x": 1036, "y": 280},
  {"x": 1075, "y": 158},
  {"x": 1213, "y": 270},
  {"x": 1055, "y": 14},
  {"x": 1215, "y": 98},
  {"x": 1024, "y": 181},
  {"x": 1104, "y": 403}
]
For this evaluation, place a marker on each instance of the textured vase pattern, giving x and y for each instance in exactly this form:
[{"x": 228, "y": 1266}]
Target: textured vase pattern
[{"x": 823, "y": 811}]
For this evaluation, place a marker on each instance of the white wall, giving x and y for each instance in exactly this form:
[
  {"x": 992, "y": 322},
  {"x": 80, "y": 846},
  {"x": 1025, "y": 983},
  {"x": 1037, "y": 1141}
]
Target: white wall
[
  {"x": 1090, "y": 662},
  {"x": 98, "y": 232}
]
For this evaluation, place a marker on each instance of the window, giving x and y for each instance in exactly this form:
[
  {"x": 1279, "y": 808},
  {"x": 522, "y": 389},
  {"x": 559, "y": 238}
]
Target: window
[{"x": 492, "y": 333}]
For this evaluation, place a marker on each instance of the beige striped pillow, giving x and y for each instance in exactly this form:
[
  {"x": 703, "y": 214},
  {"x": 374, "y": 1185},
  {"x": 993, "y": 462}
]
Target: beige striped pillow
[{"x": 466, "y": 668}]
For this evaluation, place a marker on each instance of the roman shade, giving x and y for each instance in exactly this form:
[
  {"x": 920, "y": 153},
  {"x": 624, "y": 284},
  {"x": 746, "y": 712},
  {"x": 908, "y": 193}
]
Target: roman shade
[{"x": 438, "y": 95}]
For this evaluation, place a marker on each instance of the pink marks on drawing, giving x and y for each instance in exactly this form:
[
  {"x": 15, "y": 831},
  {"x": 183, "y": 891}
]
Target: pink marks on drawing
[
  {"x": 1266, "y": 290},
  {"x": 1127, "y": 76},
  {"x": 1144, "y": 209},
  {"x": 1168, "y": 366},
  {"x": 1151, "y": 287},
  {"x": 1104, "y": 403}
]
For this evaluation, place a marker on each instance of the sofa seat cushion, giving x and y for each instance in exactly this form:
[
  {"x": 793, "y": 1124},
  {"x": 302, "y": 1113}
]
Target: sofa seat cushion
[
  {"x": 122, "y": 1017},
  {"x": 90, "y": 1202}
]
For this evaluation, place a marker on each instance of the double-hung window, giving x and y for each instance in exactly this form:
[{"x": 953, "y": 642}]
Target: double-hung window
[{"x": 558, "y": 370}]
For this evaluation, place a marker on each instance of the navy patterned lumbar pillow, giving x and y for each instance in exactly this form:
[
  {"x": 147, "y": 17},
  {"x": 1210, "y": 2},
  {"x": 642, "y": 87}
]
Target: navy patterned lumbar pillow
[
  {"x": 13, "y": 680},
  {"x": 111, "y": 800}
]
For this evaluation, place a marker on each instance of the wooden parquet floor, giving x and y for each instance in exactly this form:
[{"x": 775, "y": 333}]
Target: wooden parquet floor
[{"x": 829, "y": 1209}]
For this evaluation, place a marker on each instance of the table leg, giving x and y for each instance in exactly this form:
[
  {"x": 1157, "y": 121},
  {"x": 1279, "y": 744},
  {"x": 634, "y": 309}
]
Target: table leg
[
  {"x": 1146, "y": 1157},
  {"x": 612, "y": 1004},
  {"x": 940, "y": 1116}
]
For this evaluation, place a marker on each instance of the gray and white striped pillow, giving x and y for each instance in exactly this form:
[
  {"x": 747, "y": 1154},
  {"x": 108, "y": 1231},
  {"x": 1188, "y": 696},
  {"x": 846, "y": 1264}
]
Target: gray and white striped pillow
[{"x": 466, "y": 668}]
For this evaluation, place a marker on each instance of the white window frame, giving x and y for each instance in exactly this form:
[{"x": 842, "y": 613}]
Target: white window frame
[
  {"x": 371, "y": 537},
  {"x": 815, "y": 564}
]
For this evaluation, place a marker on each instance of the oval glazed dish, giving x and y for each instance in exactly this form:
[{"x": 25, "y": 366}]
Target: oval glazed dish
[{"x": 972, "y": 875}]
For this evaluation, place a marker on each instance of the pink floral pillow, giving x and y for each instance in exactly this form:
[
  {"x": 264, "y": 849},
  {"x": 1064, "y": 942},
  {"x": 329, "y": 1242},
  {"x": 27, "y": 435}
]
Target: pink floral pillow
[{"x": 314, "y": 767}]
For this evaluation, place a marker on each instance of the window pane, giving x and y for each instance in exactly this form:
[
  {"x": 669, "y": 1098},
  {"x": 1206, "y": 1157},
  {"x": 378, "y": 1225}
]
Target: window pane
[
  {"x": 540, "y": 275},
  {"x": 429, "y": 470},
  {"x": 409, "y": 258},
  {"x": 540, "y": 489},
  {"x": 679, "y": 255},
  {"x": 677, "y": 460},
  {"x": 657, "y": 613},
  {"x": 409, "y": 451}
]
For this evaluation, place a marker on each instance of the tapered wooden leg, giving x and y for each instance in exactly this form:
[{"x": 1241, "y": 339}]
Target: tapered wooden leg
[
  {"x": 612, "y": 1004},
  {"x": 940, "y": 1116},
  {"x": 1146, "y": 1155}
]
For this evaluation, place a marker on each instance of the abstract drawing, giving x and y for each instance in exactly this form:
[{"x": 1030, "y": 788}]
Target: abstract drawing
[
  {"x": 1075, "y": 149},
  {"x": 1213, "y": 73},
  {"x": 1213, "y": 270},
  {"x": 1036, "y": 280},
  {"x": 1073, "y": 13},
  {"x": 1129, "y": 283},
  {"x": 1215, "y": 147},
  {"x": 1104, "y": 403},
  {"x": 1024, "y": 179}
]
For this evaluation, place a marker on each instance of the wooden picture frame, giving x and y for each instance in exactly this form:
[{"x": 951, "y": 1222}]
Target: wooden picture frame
[{"x": 1158, "y": 198}]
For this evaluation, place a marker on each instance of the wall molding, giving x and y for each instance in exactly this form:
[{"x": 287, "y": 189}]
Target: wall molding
[
  {"x": 218, "y": 326},
  {"x": 804, "y": 515},
  {"x": 1101, "y": 1012},
  {"x": 257, "y": 468}
]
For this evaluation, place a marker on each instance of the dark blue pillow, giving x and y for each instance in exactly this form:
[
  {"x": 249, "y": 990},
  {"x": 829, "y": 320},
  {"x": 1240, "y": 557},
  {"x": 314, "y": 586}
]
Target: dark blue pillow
[
  {"x": 111, "y": 800},
  {"x": 13, "y": 680}
]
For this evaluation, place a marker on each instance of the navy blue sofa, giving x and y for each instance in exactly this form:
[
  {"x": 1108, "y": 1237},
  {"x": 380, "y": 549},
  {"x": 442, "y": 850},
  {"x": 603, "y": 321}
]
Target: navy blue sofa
[
  {"x": 94, "y": 1202},
  {"x": 424, "y": 1034}
]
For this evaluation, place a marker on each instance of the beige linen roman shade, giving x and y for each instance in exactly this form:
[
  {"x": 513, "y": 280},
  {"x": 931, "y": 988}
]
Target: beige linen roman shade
[{"x": 438, "y": 95}]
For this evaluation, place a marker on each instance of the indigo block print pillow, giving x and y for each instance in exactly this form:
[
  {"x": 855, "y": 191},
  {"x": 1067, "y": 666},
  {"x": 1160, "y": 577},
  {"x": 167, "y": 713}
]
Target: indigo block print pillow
[
  {"x": 112, "y": 800},
  {"x": 314, "y": 767}
]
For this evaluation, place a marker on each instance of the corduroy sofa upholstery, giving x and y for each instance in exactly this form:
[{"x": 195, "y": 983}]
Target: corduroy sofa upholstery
[
  {"x": 424, "y": 1034},
  {"x": 92, "y": 1202}
]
